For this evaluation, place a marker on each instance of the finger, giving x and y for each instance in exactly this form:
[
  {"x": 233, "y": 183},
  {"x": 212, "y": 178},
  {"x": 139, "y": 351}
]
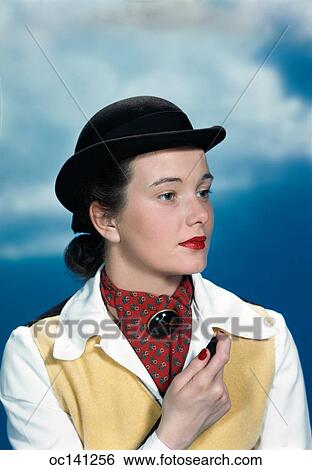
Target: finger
[
  {"x": 205, "y": 376},
  {"x": 196, "y": 365},
  {"x": 218, "y": 361}
]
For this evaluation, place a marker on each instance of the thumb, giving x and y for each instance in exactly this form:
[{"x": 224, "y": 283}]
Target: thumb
[{"x": 196, "y": 364}]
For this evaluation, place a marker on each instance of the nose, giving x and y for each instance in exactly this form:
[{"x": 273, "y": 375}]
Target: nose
[{"x": 198, "y": 211}]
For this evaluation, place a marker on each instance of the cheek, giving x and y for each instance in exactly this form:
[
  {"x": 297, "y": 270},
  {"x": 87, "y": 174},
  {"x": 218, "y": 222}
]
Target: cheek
[
  {"x": 211, "y": 214},
  {"x": 148, "y": 223}
]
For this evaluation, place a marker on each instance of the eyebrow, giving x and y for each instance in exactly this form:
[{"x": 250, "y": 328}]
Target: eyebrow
[{"x": 170, "y": 179}]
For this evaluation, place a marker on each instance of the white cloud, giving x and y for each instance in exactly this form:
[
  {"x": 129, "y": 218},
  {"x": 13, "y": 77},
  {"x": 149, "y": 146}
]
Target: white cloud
[
  {"x": 204, "y": 71},
  {"x": 200, "y": 55},
  {"x": 31, "y": 200},
  {"x": 265, "y": 121},
  {"x": 37, "y": 245},
  {"x": 233, "y": 17},
  {"x": 224, "y": 185}
]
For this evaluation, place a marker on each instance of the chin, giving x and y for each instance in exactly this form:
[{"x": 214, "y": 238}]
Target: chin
[{"x": 194, "y": 266}]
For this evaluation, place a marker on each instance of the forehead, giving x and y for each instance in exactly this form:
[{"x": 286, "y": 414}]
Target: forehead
[{"x": 170, "y": 162}]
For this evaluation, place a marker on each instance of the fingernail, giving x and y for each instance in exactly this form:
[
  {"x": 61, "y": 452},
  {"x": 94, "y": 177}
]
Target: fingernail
[{"x": 203, "y": 354}]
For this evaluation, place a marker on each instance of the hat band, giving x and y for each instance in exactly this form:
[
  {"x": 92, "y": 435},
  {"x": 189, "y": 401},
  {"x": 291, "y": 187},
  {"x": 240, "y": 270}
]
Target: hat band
[{"x": 162, "y": 121}]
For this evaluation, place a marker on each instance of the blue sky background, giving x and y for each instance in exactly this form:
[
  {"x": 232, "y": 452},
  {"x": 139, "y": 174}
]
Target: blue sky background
[{"x": 244, "y": 65}]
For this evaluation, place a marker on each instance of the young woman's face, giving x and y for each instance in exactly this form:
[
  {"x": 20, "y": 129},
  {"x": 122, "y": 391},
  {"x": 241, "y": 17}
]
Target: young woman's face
[{"x": 158, "y": 217}]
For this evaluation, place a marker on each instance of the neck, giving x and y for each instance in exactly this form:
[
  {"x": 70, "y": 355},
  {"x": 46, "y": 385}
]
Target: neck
[{"x": 135, "y": 280}]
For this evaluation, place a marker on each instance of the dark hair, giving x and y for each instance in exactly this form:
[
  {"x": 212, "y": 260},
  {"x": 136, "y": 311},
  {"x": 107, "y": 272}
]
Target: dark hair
[{"x": 85, "y": 253}]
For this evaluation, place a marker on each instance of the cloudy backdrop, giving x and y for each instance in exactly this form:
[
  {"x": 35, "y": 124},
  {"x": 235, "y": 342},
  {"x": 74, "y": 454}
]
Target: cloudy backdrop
[{"x": 245, "y": 65}]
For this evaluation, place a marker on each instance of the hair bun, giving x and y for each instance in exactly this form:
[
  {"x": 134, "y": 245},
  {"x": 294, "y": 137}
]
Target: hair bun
[{"x": 84, "y": 254}]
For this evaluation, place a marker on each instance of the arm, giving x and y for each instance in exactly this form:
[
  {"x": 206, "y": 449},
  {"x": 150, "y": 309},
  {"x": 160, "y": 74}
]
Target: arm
[
  {"x": 35, "y": 419},
  {"x": 286, "y": 422}
]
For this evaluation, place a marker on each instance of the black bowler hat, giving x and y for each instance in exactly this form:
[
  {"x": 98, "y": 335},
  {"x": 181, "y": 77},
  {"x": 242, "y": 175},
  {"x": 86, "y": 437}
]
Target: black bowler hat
[{"x": 123, "y": 129}]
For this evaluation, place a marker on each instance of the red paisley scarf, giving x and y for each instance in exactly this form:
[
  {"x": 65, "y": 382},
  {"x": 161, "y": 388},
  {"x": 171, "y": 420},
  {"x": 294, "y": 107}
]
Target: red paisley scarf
[{"x": 163, "y": 357}]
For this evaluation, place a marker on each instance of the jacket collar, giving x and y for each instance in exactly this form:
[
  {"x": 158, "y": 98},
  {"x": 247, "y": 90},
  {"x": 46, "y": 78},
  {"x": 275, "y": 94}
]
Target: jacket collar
[{"x": 85, "y": 315}]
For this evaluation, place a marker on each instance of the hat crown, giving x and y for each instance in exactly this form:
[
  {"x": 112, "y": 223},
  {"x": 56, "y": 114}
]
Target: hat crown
[
  {"x": 122, "y": 130},
  {"x": 131, "y": 116}
]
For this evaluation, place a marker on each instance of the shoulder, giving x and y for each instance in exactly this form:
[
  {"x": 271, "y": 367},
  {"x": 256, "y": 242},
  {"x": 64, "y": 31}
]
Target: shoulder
[
  {"x": 273, "y": 319},
  {"x": 287, "y": 359},
  {"x": 285, "y": 345},
  {"x": 21, "y": 363},
  {"x": 19, "y": 345},
  {"x": 21, "y": 355}
]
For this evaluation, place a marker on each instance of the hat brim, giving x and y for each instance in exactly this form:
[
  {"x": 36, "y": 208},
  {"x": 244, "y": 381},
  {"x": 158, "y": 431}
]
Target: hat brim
[{"x": 88, "y": 164}]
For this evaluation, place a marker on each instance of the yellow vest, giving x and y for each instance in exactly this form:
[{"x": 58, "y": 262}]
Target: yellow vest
[{"x": 112, "y": 409}]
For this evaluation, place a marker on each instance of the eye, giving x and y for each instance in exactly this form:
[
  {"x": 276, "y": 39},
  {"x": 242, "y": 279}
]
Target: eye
[
  {"x": 206, "y": 191},
  {"x": 202, "y": 191},
  {"x": 165, "y": 194}
]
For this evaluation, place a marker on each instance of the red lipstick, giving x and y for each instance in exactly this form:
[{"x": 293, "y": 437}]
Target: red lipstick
[{"x": 196, "y": 243}]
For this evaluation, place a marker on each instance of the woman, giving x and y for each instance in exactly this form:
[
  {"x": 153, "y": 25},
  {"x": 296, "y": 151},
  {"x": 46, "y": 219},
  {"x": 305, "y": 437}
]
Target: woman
[{"x": 124, "y": 362}]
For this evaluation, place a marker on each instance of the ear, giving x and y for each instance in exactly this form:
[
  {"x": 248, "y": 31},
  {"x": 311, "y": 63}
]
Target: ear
[{"x": 103, "y": 223}]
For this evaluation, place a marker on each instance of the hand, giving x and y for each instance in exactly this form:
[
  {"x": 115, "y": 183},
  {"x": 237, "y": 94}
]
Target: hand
[{"x": 196, "y": 398}]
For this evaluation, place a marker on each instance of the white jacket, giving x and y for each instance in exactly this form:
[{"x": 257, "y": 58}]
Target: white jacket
[{"x": 36, "y": 420}]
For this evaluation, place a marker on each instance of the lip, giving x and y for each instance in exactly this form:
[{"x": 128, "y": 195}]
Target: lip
[
  {"x": 194, "y": 240},
  {"x": 193, "y": 245},
  {"x": 196, "y": 243}
]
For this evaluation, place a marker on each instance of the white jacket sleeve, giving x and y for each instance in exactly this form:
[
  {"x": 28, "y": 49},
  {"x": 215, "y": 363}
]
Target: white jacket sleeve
[
  {"x": 35, "y": 420},
  {"x": 286, "y": 421},
  {"x": 154, "y": 443}
]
